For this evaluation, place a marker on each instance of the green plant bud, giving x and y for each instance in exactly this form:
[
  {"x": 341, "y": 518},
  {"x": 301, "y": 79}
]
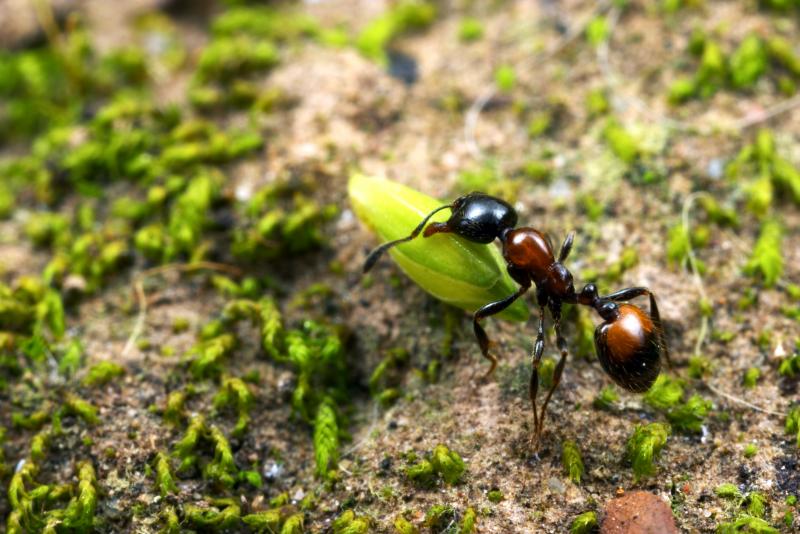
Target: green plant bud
[{"x": 454, "y": 270}]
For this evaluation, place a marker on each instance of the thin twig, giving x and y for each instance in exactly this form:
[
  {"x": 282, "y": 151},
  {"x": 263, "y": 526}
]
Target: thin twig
[
  {"x": 698, "y": 281},
  {"x": 141, "y": 297},
  {"x": 743, "y": 402}
]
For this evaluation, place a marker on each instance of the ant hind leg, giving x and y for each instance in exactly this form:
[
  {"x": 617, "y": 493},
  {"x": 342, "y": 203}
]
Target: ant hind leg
[{"x": 559, "y": 370}]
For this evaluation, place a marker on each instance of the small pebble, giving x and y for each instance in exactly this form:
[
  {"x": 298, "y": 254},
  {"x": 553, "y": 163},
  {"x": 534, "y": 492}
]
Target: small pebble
[{"x": 638, "y": 512}]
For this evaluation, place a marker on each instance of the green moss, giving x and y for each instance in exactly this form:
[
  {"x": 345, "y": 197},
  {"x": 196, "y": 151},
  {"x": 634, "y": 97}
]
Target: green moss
[
  {"x": 571, "y": 461},
  {"x": 439, "y": 516},
  {"x": 468, "y": 522},
  {"x": 621, "y": 143},
  {"x": 597, "y": 31},
  {"x": 748, "y": 62},
  {"x": 751, "y": 376},
  {"x": 789, "y": 366},
  {"x": 349, "y": 523},
  {"x": 699, "y": 367},
  {"x": 265, "y": 522},
  {"x": 174, "y": 410},
  {"x": 505, "y": 78},
  {"x": 293, "y": 525},
  {"x": 229, "y": 57},
  {"x": 222, "y": 468},
  {"x": 597, "y": 102},
  {"x": 689, "y": 417},
  {"x": 272, "y": 332},
  {"x": 33, "y": 421},
  {"x": 220, "y": 515},
  {"x": 665, "y": 393},
  {"x": 421, "y": 473},
  {"x": 326, "y": 438},
  {"x": 766, "y": 260},
  {"x": 644, "y": 446},
  {"x": 235, "y": 393},
  {"x": 403, "y": 526},
  {"x": 746, "y": 523},
  {"x": 728, "y": 491},
  {"x": 750, "y": 450},
  {"x": 102, "y": 373},
  {"x": 585, "y": 523},
  {"x": 606, "y": 398},
  {"x": 781, "y": 51},
  {"x": 207, "y": 358},
  {"x": 170, "y": 521},
  {"x": 470, "y": 29},
  {"x": 76, "y": 406},
  {"x": 404, "y": 17},
  {"x": 448, "y": 464},
  {"x": 495, "y": 496},
  {"x": 79, "y": 514},
  {"x": 164, "y": 480}
]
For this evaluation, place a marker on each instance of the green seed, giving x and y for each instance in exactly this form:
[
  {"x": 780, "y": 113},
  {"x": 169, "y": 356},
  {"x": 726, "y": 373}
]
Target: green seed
[{"x": 464, "y": 274}]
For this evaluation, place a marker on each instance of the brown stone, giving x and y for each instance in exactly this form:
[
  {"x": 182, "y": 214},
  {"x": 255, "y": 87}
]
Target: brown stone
[{"x": 638, "y": 512}]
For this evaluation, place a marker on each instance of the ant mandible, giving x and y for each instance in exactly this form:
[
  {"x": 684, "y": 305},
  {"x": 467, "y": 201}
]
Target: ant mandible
[{"x": 629, "y": 342}]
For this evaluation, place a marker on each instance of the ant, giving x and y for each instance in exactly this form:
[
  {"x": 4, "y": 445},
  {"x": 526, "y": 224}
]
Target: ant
[{"x": 629, "y": 342}]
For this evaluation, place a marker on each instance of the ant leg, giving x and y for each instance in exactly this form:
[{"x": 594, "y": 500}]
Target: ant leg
[
  {"x": 533, "y": 388},
  {"x": 491, "y": 309},
  {"x": 566, "y": 247},
  {"x": 376, "y": 253},
  {"x": 633, "y": 292},
  {"x": 562, "y": 346}
]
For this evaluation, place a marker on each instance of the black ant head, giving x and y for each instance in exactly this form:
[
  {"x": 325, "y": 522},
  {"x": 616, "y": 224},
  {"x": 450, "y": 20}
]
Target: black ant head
[{"x": 481, "y": 218}]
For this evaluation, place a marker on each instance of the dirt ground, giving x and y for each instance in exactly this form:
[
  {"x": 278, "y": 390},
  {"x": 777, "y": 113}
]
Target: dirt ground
[{"x": 348, "y": 114}]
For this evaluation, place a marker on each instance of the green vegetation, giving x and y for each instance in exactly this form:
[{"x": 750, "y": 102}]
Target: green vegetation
[
  {"x": 572, "y": 461},
  {"x": 584, "y": 523},
  {"x": 441, "y": 462},
  {"x": 644, "y": 446},
  {"x": 404, "y": 17}
]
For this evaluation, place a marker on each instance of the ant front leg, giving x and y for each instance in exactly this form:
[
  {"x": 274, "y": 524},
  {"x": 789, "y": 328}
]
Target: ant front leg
[
  {"x": 631, "y": 293},
  {"x": 494, "y": 308}
]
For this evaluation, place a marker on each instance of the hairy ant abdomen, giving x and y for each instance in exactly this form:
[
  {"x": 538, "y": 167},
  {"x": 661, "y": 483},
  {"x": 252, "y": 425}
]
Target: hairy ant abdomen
[{"x": 629, "y": 348}]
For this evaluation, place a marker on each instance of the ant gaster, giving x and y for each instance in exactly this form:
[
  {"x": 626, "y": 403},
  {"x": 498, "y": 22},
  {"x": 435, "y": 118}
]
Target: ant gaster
[{"x": 629, "y": 341}]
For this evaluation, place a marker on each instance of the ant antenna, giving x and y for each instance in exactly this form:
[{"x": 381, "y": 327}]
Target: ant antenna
[{"x": 376, "y": 254}]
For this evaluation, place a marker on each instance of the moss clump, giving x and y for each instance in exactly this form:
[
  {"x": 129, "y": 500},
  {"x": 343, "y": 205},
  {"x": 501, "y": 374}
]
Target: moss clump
[
  {"x": 621, "y": 142},
  {"x": 439, "y": 516},
  {"x": 644, "y": 446},
  {"x": 448, "y": 464},
  {"x": 689, "y": 417},
  {"x": 584, "y": 523},
  {"x": 421, "y": 473},
  {"x": 789, "y": 366},
  {"x": 272, "y": 332},
  {"x": 349, "y": 523},
  {"x": 174, "y": 412},
  {"x": 268, "y": 521},
  {"x": 102, "y": 373},
  {"x": 751, "y": 376},
  {"x": 597, "y": 31},
  {"x": 79, "y": 514},
  {"x": 767, "y": 260},
  {"x": 74, "y": 405},
  {"x": 470, "y": 29},
  {"x": 606, "y": 398},
  {"x": 293, "y": 525},
  {"x": 403, "y": 526},
  {"x": 572, "y": 461},
  {"x": 207, "y": 358},
  {"x": 748, "y": 62},
  {"x": 235, "y": 393},
  {"x": 665, "y": 393},
  {"x": 404, "y": 17},
  {"x": 326, "y": 438},
  {"x": 495, "y": 496},
  {"x": 164, "y": 480},
  {"x": 220, "y": 515},
  {"x": 468, "y": 522}
]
